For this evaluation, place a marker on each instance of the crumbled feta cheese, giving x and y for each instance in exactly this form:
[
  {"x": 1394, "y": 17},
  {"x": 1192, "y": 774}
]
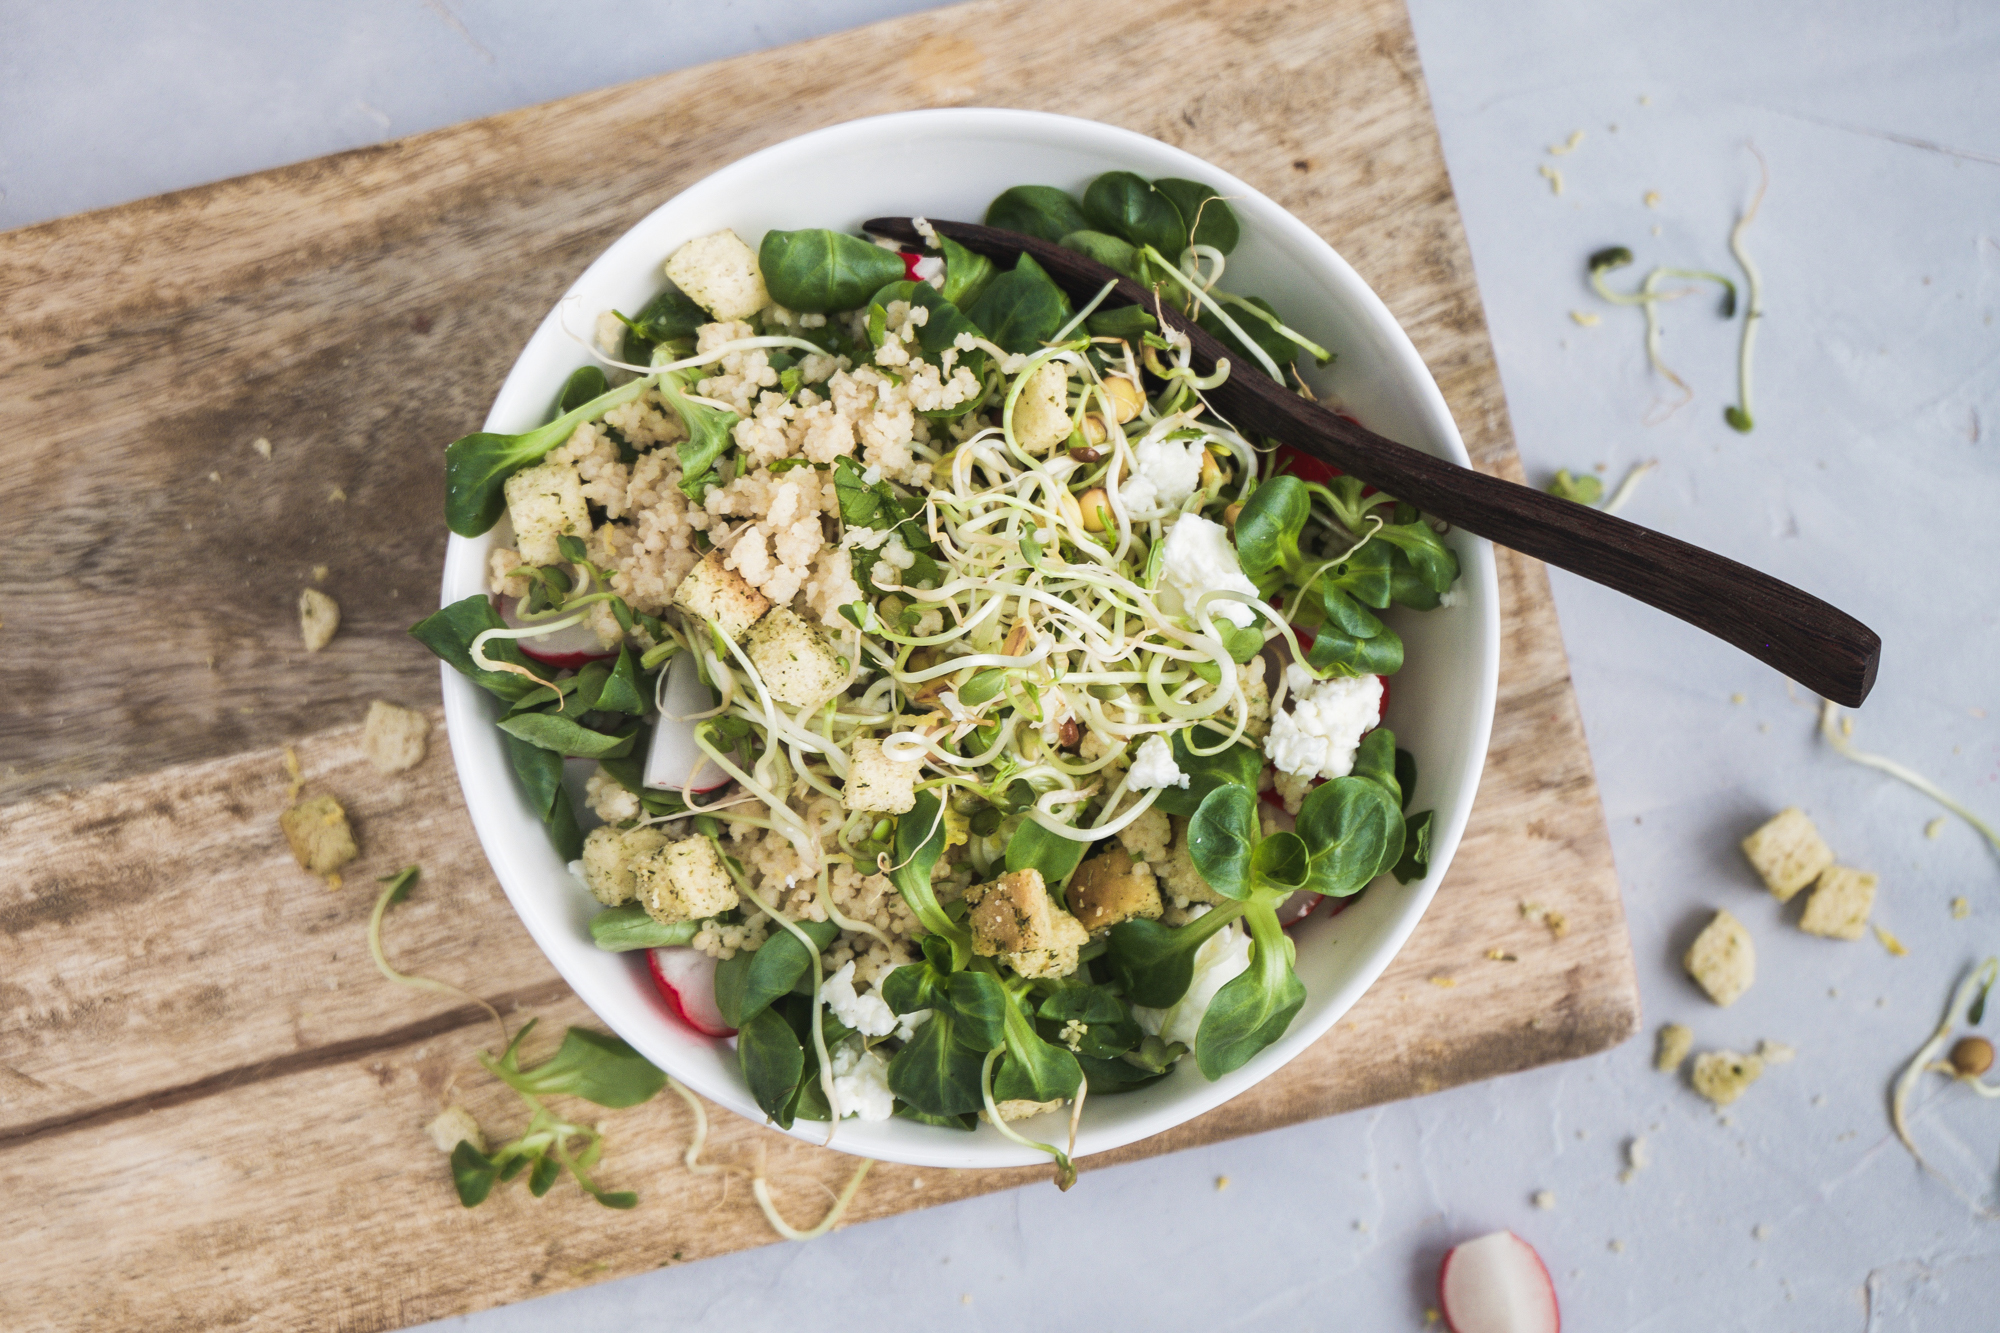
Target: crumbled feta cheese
[
  {"x": 894, "y": 552},
  {"x": 1199, "y": 559},
  {"x": 861, "y": 1081},
  {"x": 1154, "y": 766},
  {"x": 869, "y": 1014},
  {"x": 1167, "y": 472},
  {"x": 1222, "y": 958},
  {"x": 1318, "y": 735}
]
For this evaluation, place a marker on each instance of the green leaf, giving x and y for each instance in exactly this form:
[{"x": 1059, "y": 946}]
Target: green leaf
[
  {"x": 472, "y": 1173},
  {"x": 1034, "y": 847},
  {"x": 1036, "y": 210},
  {"x": 1115, "y": 254},
  {"x": 449, "y": 632},
  {"x": 1355, "y": 830},
  {"x": 621, "y": 929},
  {"x": 981, "y": 1004},
  {"x": 935, "y": 1073},
  {"x": 1268, "y": 528},
  {"x": 593, "y": 1066},
  {"x": 1375, "y": 760},
  {"x": 1281, "y": 862},
  {"x": 1368, "y": 574},
  {"x": 1406, "y": 776},
  {"x": 1415, "y": 862},
  {"x": 969, "y": 1121},
  {"x": 941, "y": 328},
  {"x": 564, "y": 832},
  {"x": 668, "y": 317},
  {"x": 919, "y": 843},
  {"x": 1128, "y": 322},
  {"x": 1129, "y": 206},
  {"x": 965, "y": 273},
  {"x": 1433, "y": 560},
  {"x": 1217, "y": 224},
  {"x": 1035, "y": 1070},
  {"x": 621, "y": 691},
  {"x": 820, "y": 271},
  {"x": 557, "y": 733},
  {"x": 540, "y": 771},
  {"x": 1084, "y": 1004},
  {"x": 748, "y": 982},
  {"x": 863, "y": 505},
  {"x": 1254, "y": 1008},
  {"x": 1352, "y": 641},
  {"x": 982, "y": 686},
  {"x": 1022, "y": 309},
  {"x": 773, "y": 1061},
  {"x": 1242, "y": 643},
  {"x": 476, "y": 467},
  {"x": 1155, "y": 963},
  {"x": 1221, "y": 838},
  {"x": 547, "y": 1168},
  {"x": 911, "y": 987},
  {"x": 400, "y": 884},
  {"x": 708, "y": 431},
  {"x": 584, "y": 383},
  {"x": 1236, "y": 765},
  {"x": 1282, "y": 350}
]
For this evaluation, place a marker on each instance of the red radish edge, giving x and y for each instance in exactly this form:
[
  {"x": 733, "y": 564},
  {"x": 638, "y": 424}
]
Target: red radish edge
[
  {"x": 1497, "y": 1284},
  {"x": 685, "y": 978},
  {"x": 910, "y": 260},
  {"x": 574, "y": 647}
]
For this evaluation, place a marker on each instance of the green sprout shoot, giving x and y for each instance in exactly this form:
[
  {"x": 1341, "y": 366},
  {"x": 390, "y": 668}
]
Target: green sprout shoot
[
  {"x": 1738, "y": 415},
  {"x": 1583, "y": 490}
]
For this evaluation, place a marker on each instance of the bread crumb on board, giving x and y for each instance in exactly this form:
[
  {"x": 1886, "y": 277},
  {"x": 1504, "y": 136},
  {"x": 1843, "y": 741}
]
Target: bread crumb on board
[
  {"x": 1540, "y": 913},
  {"x": 319, "y": 834},
  {"x": 393, "y": 738},
  {"x": 1722, "y": 1076},
  {"x": 319, "y": 617},
  {"x": 455, "y": 1125},
  {"x": 1961, "y": 908},
  {"x": 1675, "y": 1043},
  {"x": 263, "y": 447},
  {"x": 1776, "y": 1052},
  {"x": 1787, "y": 853},
  {"x": 1637, "y": 1159},
  {"x": 1544, "y": 1199},
  {"x": 1840, "y": 904},
  {"x": 1895, "y": 946},
  {"x": 1722, "y": 959}
]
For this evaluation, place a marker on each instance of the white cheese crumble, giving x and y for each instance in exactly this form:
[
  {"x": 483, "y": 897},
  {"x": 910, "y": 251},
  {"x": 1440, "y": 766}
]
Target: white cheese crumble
[
  {"x": 1167, "y": 472},
  {"x": 1199, "y": 559},
  {"x": 896, "y": 554},
  {"x": 861, "y": 1081},
  {"x": 869, "y": 1014},
  {"x": 1154, "y": 766},
  {"x": 1222, "y": 958},
  {"x": 1318, "y": 735}
]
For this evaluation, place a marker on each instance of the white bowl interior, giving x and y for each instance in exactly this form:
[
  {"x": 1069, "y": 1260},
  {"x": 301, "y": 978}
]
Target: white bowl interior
[{"x": 950, "y": 164}]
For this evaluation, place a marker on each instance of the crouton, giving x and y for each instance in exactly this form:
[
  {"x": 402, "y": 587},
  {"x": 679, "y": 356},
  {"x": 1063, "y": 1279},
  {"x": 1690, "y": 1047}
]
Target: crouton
[
  {"x": 721, "y": 597},
  {"x": 319, "y": 834},
  {"x": 1147, "y": 836},
  {"x": 1722, "y": 959},
  {"x": 719, "y": 273},
  {"x": 1014, "y": 919},
  {"x": 393, "y": 738},
  {"x": 608, "y": 857},
  {"x": 455, "y": 1125},
  {"x": 1721, "y": 1076},
  {"x": 1041, "y": 412},
  {"x": 1675, "y": 1043},
  {"x": 797, "y": 663},
  {"x": 319, "y": 617},
  {"x": 1788, "y": 853},
  {"x": 1178, "y": 877},
  {"x": 1109, "y": 888},
  {"x": 546, "y": 502},
  {"x": 683, "y": 881},
  {"x": 1840, "y": 904},
  {"x": 878, "y": 784}
]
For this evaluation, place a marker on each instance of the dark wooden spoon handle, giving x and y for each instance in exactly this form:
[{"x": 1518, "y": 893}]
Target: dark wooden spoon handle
[{"x": 1818, "y": 645}]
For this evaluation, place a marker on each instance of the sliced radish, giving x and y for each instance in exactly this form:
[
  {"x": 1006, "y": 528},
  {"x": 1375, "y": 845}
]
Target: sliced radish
[
  {"x": 1497, "y": 1284},
  {"x": 686, "y": 978},
  {"x": 1297, "y": 908},
  {"x": 910, "y": 260},
  {"x": 673, "y": 755},
  {"x": 566, "y": 649}
]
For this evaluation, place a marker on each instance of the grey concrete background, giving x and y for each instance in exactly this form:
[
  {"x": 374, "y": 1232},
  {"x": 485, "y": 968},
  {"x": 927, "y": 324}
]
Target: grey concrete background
[{"x": 1871, "y": 478}]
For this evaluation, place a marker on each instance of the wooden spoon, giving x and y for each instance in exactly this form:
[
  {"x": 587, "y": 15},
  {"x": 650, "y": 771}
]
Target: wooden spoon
[{"x": 1820, "y": 646}]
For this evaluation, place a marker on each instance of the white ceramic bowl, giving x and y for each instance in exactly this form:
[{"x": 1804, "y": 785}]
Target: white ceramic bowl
[{"x": 950, "y": 164}]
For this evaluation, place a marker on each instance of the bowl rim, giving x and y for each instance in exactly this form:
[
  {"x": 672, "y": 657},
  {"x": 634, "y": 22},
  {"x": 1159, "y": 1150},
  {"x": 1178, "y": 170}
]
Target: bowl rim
[{"x": 467, "y": 710}]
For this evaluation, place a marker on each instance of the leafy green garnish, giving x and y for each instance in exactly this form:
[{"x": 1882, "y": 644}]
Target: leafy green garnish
[
  {"x": 1216, "y": 225},
  {"x": 476, "y": 467},
  {"x": 708, "y": 430},
  {"x": 620, "y": 929},
  {"x": 820, "y": 271},
  {"x": 919, "y": 843},
  {"x": 1128, "y": 206},
  {"x": 965, "y": 273},
  {"x": 1584, "y": 490},
  {"x": 1020, "y": 310},
  {"x": 449, "y": 632},
  {"x": 1036, "y": 210}
]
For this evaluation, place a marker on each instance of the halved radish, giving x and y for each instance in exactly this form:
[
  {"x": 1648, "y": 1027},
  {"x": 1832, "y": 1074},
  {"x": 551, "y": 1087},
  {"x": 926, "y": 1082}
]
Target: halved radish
[
  {"x": 1497, "y": 1284},
  {"x": 673, "y": 755},
  {"x": 686, "y": 978},
  {"x": 1297, "y": 908},
  {"x": 566, "y": 649}
]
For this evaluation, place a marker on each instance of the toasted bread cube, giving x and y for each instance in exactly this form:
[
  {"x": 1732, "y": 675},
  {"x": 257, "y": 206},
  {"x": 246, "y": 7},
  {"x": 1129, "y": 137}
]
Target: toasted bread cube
[
  {"x": 1147, "y": 836},
  {"x": 319, "y": 834},
  {"x": 682, "y": 881},
  {"x": 1722, "y": 959},
  {"x": 608, "y": 857},
  {"x": 1041, "y": 412},
  {"x": 722, "y": 597},
  {"x": 319, "y": 617},
  {"x": 1178, "y": 877},
  {"x": 797, "y": 663},
  {"x": 719, "y": 273},
  {"x": 1840, "y": 903},
  {"x": 1675, "y": 1043},
  {"x": 1014, "y": 919},
  {"x": 1109, "y": 888},
  {"x": 455, "y": 1125},
  {"x": 1721, "y": 1076},
  {"x": 1020, "y": 1108},
  {"x": 546, "y": 502},
  {"x": 1788, "y": 853},
  {"x": 393, "y": 738},
  {"x": 878, "y": 784}
]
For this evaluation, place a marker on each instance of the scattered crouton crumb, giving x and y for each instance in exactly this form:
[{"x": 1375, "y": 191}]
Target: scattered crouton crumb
[
  {"x": 1675, "y": 1043},
  {"x": 393, "y": 738},
  {"x": 215, "y": 476},
  {"x": 1553, "y": 177},
  {"x": 1841, "y": 901},
  {"x": 1721, "y": 1076},
  {"x": 1645, "y": 99},
  {"x": 1652, "y": 198},
  {"x": 1221, "y": 1183},
  {"x": 966, "y": 1299},
  {"x": 1568, "y": 146},
  {"x": 1501, "y": 956},
  {"x": 319, "y": 573},
  {"x": 319, "y": 617},
  {"x": 292, "y": 772},
  {"x": 262, "y": 446},
  {"x": 1960, "y": 909},
  {"x": 1739, "y": 697},
  {"x": 1776, "y": 1052},
  {"x": 1360, "y": 1225},
  {"x": 1935, "y": 827},
  {"x": 1890, "y": 942},
  {"x": 1445, "y": 983},
  {"x": 1616, "y": 1247},
  {"x": 1557, "y": 923},
  {"x": 336, "y": 496},
  {"x": 1722, "y": 959},
  {"x": 320, "y": 837},
  {"x": 1544, "y": 1199},
  {"x": 1977, "y": 712},
  {"x": 1585, "y": 318},
  {"x": 1637, "y": 1159},
  {"x": 452, "y": 1126},
  {"x": 1760, "y": 1231}
]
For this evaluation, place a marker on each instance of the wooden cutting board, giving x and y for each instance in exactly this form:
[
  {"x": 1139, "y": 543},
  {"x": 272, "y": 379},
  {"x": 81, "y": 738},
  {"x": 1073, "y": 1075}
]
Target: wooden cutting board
[{"x": 211, "y": 1107}]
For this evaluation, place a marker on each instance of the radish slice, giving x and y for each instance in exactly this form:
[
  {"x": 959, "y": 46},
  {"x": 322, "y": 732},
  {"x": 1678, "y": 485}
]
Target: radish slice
[
  {"x": 1297, "y": 908},
  {"x": 686, "y": 978},
  {"x": 565, "y": 649},
  {"x": 673, "y": 754},
  {"x": 1497, "y": 1284}
]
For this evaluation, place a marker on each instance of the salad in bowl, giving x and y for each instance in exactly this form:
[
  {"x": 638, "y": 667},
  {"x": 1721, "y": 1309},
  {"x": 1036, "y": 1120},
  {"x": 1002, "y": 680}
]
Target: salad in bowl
[{"x": 971, "y": 723}]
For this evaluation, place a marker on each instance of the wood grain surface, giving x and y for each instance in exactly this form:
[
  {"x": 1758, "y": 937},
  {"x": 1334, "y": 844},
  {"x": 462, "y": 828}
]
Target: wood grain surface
[{"x": 211, "y": 1106}]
